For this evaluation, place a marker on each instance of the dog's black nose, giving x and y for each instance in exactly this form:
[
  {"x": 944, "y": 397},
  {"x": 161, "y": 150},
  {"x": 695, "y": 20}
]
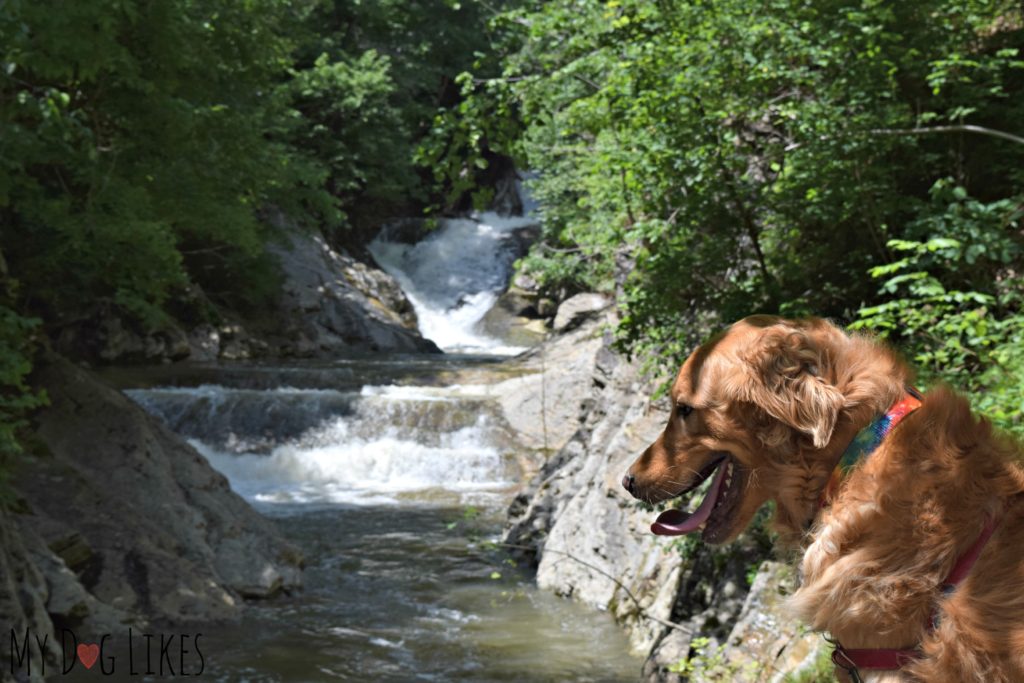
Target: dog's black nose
[{"x": 628, "y": 481}]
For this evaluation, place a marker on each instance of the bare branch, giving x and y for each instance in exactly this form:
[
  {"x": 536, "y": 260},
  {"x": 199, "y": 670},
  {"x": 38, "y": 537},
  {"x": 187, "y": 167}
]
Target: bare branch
[
  {"x": 927, "y": 130},
  {"x": 961, "y": 128},
  {"x": 587, "y": 81}
]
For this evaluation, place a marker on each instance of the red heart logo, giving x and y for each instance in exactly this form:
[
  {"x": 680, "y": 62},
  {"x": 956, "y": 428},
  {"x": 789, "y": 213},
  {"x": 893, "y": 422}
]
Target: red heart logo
[{"x": 88, "y": 654}]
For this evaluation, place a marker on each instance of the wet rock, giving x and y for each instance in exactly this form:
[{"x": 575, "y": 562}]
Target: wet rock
[
  {"x": 382, "y": 291},
  {"x": 514, "y": 320},
  {"x": 132, "y": 524},
  {"x": 105, "y": 336},
  {"x": 518, "y": 302},
  {"x": 204, "y": 343},
  {"x": 336, "y": 302},
  {"x": 176, "y": 344},
  {"x": 574, "y": 310},
  {"x": 235, "y": 349}
]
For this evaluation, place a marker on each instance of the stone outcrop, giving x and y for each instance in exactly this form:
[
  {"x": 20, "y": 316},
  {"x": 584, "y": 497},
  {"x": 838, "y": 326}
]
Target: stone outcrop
[
  {"x": 766, "y": 634},
  {"x": 329, "y": 302},
  {"x": 118, "y": 521},
  {"x": 332, "y": 302},
  {"x": 104, "y": 336},
  {"x": 543, "y": 407},
  {"x": 579, "y": 308},
  {"x": 688, "y": 607}
]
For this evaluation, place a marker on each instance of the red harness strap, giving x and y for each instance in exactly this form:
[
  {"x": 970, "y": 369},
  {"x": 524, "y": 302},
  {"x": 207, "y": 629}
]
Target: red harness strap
[{"x": 888, "y": 658}]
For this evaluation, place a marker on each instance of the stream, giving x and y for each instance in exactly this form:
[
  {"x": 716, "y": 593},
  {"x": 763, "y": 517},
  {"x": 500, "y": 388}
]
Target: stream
[{"x": 392, "y": 475}]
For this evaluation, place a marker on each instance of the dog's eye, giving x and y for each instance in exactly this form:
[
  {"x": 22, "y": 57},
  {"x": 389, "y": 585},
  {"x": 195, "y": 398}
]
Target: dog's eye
[{"x": 684, "y": 409}]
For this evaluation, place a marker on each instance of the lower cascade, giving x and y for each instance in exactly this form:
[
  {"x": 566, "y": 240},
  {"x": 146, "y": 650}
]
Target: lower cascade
[
  {"x": 395, "y": 489},
  {"x": 289, "y": 445},
  {"x": 393, "y": 475}
]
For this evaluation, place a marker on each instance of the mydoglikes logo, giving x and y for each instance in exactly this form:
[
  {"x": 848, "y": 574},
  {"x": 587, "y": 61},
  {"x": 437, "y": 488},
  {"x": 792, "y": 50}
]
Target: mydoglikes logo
[{"x": 132, "y": 653}]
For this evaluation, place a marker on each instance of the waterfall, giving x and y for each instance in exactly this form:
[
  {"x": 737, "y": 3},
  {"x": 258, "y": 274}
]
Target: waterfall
[
  {"x": 454, "y": 276},
  {"x": 320, "y": 435},
  {"x": 377, "y": 445},
  {"x": 391, "y": 475}
]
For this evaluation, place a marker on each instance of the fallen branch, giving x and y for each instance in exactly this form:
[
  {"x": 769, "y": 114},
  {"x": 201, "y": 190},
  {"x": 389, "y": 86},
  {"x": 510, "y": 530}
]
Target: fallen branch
[{"x": 629, "y": 593}]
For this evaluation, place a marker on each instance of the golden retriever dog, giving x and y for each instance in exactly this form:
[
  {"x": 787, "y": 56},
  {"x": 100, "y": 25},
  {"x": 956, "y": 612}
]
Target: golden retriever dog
[{"x": 906, "y": 508}]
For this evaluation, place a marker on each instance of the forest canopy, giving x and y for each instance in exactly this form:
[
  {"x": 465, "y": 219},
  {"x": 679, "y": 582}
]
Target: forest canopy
[
  {"x": 699, "y": 160},
  {"x": 143, "y": 143},
  {"x": 707, "y": 160}
]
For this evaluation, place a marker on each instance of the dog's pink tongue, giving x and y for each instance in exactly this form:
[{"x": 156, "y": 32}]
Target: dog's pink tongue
[{"x": 677, "y": 522}]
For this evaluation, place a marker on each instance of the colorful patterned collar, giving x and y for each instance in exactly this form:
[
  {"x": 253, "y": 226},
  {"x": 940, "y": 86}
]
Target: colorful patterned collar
[{"x": 867, "y": 440}]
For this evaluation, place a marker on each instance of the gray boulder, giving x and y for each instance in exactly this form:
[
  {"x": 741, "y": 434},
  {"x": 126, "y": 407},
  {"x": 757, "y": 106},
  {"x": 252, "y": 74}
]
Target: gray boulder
[
  {"x": 128, "y": 523},
  {"x": 576, "y": 309},
  {"x": 331, "y": 301},
  {"x": 543, "y": 406},
  {"x": 592, "y": 541}
]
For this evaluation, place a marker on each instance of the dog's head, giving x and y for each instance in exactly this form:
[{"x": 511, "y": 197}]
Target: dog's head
[{"x": 753, "y": 408}]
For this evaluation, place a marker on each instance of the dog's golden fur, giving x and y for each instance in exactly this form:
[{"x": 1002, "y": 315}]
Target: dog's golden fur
[{"x": 784, "y": 399}]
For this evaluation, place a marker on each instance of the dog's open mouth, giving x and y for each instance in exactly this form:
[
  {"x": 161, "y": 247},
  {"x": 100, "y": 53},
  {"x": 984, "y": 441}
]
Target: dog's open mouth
[{"x": 712, "y": 516}]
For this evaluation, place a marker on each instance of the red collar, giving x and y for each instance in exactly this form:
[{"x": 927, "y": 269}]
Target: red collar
[{"x": 889, "y": 658}]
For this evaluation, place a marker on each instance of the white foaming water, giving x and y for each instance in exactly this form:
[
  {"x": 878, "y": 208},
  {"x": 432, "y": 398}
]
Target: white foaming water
[
  {"x": 454, "y": 276},
  {"x": 332, "y": 467},
  {"x": 423, "y": 393},
  {"x": 396, "y": 444}
]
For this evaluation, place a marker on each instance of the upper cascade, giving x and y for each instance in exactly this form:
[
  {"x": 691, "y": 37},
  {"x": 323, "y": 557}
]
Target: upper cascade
[{"x": 454, "y": 276}]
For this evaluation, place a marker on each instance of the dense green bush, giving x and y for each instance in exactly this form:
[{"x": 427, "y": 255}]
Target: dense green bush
[
  {"x": 954, "y": 299},
  {"x": 135, "y": 138},
  {"x": 708, "y": 160},
  {"x": 17, "y": 399}
]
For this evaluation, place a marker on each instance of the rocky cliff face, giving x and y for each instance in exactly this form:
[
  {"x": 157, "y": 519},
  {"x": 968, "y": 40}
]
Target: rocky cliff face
[
  {"x": 333, "y": 302},
  {"x": 329, "y": 302},
  {"x": 689, "y": 607},
  {"x": 121, "y": 522}
]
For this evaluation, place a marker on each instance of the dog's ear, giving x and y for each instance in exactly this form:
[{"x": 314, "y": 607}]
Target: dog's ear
[{"x": 787, "y": 368}]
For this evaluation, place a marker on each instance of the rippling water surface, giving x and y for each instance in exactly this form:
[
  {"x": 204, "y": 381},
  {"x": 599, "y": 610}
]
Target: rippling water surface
[{"x": 392, "y": 478}]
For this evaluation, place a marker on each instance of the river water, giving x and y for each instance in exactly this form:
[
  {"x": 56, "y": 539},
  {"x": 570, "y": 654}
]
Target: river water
[{"x": 392, "y": 475}]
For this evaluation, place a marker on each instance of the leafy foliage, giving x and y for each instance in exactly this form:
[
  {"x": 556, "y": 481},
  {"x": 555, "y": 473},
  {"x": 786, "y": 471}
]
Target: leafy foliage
[
  {"x": 370, "y": 77},
  {"x": 17, "y": 399},
  {"x": 709, "y": 160},
  {"x": 138, "y": 145},
  {"x": 955, "y": 301},
  {"x": 709, "y": 662},
  {"x": 142, "y": 144}
]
